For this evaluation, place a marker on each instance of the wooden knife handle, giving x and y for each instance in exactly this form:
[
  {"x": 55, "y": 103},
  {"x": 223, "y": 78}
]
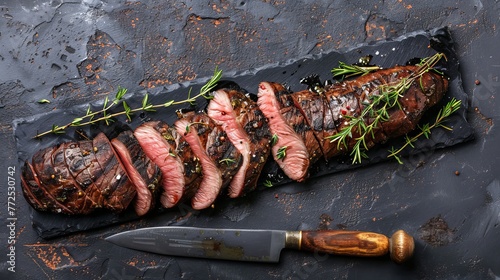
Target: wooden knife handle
[{"x": 354, "y": 243}]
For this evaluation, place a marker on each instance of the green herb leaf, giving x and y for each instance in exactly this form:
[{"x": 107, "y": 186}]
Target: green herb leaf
[
  {"x": 57, "y": 129},
  {"x": 127, "y": 110},
  {"x": 268, "y": 184},
  {"x": 120, "y": 93},
  {"x": 212, "y": 82},
  {"x": 281, "y": 153},
  {"x": 43, "y": 101},
  {"x": 76, "y": 121},
  {"x": 274, "y": 139},
  {"x": 168, "y": 103},
  {"x": 145, "y": 101},
  {"x": 106, "y": 100}
]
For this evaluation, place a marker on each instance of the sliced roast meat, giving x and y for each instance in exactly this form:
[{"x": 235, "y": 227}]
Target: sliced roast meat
[
  {"x": 31, "y": 189},
  {"x": 295, "y": 163},
  {"x": 301, "y": 114},
  {"x": 344, "y": 106},
  {"x": 159, "y": 145},
  {"x": 91, "y": 173},
  {"x": 80, "y": 160},
  {"x": 37, "y": 194},
  {"x": 300, "y": 125},
  {"x": 422, "y": 94},
  {"x": 71, "y": 180},
  {"x": 221, "y": 111},
  {"x": 52, "y": 172},
  {"x": 85, "y": 174},
  {"x": 144, "y": 174},
  {"x": 330, "y": 148},
  {"x": 195, "y": 129},
  {"x": 227, "y": 146},
  {"x": 310, "y": 105},
  {"x": 192, "y": 164},
  {"x": 365, "y": 91},
  {"x": 114, "y": 185},
  {"x": 254, "y": 123},
  {"x": 225, "y": 155}
]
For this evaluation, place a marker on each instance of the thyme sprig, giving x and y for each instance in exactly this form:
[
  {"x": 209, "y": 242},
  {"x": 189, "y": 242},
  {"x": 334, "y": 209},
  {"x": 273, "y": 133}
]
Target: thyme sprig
[
  {"x": 377, "y": 109},
  {"x": 425, "y": 130},
  {"x": 103, "y": 114},
  {"x": 348, "y": 70}
]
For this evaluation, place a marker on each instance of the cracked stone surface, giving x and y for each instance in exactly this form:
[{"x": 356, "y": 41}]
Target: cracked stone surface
[{"x": 74, "y": 52}]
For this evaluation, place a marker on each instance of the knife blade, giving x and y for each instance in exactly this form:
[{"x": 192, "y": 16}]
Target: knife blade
[{"x": 262, "y": 245}]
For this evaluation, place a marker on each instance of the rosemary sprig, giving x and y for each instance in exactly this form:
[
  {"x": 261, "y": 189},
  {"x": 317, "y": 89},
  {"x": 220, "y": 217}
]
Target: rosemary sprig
[
  {"x": 102, "y": 115},
  {"x": 377, "y": 108},
  {"x": 451, "y": 107},
  {"x": 345, "y": 70}
]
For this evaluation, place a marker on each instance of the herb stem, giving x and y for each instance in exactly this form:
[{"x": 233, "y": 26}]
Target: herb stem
[
  {"x": 146, "y": 106},
  {"x": 345, "y": 70}
]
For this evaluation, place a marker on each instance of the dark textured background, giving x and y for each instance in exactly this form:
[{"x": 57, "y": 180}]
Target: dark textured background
[{"x": 75, "y": 52}]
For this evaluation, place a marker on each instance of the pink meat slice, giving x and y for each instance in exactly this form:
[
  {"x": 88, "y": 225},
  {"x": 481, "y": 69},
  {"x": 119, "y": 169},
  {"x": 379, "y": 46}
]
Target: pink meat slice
[
  {"x": 296, "y": 162},
  {"x": 221, "y": 111},
  {"x": 157, "y": 148},
  {"x": 211, "y": 183},
  {"x": 141, "y": 170}
]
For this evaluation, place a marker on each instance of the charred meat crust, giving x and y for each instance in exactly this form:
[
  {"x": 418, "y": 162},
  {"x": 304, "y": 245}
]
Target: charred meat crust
[
  {"x": 70, "y": 179},
  {"x": 301, "y": 113},
  {"x": 225, "y": 155}
]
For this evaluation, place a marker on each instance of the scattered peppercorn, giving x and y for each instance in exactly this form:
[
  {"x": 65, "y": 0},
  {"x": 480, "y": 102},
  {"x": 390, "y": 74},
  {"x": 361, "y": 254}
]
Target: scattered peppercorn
[
  {"x": 477, "y": 82},
  {"x": 457, "y": 172}
]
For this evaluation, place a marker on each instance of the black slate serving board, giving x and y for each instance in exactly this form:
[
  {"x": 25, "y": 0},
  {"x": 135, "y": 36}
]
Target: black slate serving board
[{"x": 385, "y": 53}]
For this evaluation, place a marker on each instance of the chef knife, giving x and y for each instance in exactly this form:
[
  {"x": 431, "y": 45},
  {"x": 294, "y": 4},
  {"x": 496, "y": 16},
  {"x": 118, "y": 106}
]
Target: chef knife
[{"x": 262, "y": 245}]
